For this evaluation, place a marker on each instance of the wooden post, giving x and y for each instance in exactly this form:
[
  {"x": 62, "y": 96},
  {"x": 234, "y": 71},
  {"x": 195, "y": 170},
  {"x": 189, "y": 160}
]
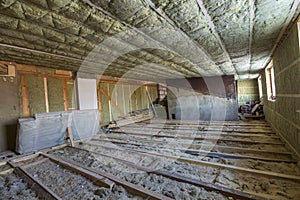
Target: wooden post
[
  {"x": 25, "y": 100},
  {"x": 111, "y": 101},
  {"x": 100, "y": 104},
  {"x": 130, "y": 100},
  {"x": 65, "y": 92},
  {"x": 70, "y": 136},
  {"x": 124, "y": 99},
  {"x": 46, "y": 94},
  {"x": 136, "y": 101}
]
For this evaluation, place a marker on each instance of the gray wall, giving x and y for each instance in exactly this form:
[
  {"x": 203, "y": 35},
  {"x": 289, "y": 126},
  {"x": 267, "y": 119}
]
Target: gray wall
[
  {"x": 281, "y": 113},
  {"x": 212, "y": 98},
  {"x": 9, "y": 113}
]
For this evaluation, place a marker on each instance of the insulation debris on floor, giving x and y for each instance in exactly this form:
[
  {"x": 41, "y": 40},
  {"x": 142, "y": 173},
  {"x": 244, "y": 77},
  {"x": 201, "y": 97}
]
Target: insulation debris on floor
[{"x": 155, "y": 160}]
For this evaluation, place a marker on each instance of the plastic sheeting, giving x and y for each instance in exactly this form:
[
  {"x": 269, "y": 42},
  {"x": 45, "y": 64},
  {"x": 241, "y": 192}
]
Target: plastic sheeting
[{"x": 49, "y": 129}]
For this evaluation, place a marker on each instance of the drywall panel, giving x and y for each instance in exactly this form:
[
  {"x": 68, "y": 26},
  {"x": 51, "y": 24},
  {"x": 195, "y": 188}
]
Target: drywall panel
[{"x": 87, "y": 93}]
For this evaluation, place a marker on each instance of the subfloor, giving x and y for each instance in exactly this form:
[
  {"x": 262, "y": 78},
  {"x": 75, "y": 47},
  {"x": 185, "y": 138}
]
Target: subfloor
[{"x": 161, "y": 160}]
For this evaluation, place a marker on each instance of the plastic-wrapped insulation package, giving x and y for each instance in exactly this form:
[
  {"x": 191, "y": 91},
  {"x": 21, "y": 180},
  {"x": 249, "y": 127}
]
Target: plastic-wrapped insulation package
[{"x": 50, "y": 129}]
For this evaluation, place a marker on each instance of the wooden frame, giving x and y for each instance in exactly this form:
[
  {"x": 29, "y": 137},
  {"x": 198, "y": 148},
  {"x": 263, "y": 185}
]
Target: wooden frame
[{"x": 25, "y": 99}]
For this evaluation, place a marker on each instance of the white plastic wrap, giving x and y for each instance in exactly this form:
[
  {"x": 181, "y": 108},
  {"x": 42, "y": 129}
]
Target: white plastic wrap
[{"x": 49, "y": 129}]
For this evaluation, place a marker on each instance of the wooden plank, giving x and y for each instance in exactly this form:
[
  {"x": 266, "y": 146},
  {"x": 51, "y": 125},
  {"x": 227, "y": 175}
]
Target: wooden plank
[
  {"x": 65, "y": 94},
  {"x": 197, "y": 138},
  {"x": 11, "y": 70},
  {"x": 198, "y": 132},
  {"x": 95, "y": 178},
  {"x": 114, "y": 80},
  {"x": 26, "y": 68},
  {"x": 7, "y": 171},
  {"x": 59, "y": 76},
  {"x": 46, "y": 94},
  {"x": 208, "y": 128},
  {"x": 24, "y": 157},
  {"x": 205, "y": 163},
  {"x": 109, "y": 104},
  {"x": 124, "y": 99},
  {"x": 202, "y": 126},
  {"x": 25, "y": 99},
  {"x": 211, "y": 122},
  {"x": 136, "y": 101},
  {"x": 100, "y": 105},
  {"x": 215, "y": 147},
  {"x": 54, "y": 148},
  {"x": 112, "y": 102},
  {"x": 63, "y": 72},
  {"x": 134, "y": 189},
  {"x": 42, "y": 190},
  {"x": 70, "y": 136},
  {"x": 206, "y": 153},
  {"x": 208, "y": 186},
  {"x": 38, "y": 162}
]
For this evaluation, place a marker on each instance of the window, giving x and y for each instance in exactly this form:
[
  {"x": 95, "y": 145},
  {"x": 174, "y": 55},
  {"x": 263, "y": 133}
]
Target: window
[
  {"x": 260, "y": 87},
  {"x": 270, "y": 81}
]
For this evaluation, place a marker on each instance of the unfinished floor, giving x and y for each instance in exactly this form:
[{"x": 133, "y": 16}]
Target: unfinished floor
[{"x": 160, "y": 160}]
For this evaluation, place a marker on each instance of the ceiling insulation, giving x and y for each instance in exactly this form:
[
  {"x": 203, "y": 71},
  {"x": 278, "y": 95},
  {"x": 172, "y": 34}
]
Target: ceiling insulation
[{"x": 145, "y": 39}]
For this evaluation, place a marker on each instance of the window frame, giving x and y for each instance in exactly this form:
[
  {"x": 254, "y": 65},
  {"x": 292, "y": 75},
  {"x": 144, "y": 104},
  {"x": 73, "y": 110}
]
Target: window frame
[
  {"x": 270, "y": 82},
  {"x": 260, "y": 88}
]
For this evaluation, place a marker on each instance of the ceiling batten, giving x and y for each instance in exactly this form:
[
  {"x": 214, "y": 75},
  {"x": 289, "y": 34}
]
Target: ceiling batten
[
  {"x": 216, "y": 34},
  {"x": 283, "y": 30},
  {"x": 157, "y": 10},
  {"x": 135, "y": 29},
  {"x": 252, "y": 18}
]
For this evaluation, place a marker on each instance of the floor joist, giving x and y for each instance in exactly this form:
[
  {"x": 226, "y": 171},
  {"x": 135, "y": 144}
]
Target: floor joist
[
  {"x": 134, "y": 189},
  {"x": 201, "y": 126},
  {"x": 42, "y": 190},
  {"x": 215, "y": 147},
  {"x": 205, "y": 153},
  {"x": 211, "y": 122},
  {"x": 197, "y": 138},
  {"x": 197, "y": 132},
  {"x": 177, "y": 177},
  {"x": 203, "y": 163}
]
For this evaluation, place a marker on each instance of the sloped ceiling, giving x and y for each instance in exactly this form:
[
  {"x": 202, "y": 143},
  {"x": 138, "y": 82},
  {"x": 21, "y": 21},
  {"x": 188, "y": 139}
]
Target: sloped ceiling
[{"x": 145, "y": 39}]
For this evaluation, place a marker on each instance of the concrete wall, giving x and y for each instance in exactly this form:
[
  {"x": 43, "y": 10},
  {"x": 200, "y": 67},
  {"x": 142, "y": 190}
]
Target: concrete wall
[
  {"x": 212, "y": 98},
  {"x": 247, "y": 91},
  {"x": 9, "y": 112},
  {"x": 281, "y": 113}
]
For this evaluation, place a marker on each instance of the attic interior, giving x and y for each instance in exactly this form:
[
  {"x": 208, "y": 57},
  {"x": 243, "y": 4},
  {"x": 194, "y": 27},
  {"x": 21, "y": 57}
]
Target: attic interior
[{"x": 149, "y": 99}]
